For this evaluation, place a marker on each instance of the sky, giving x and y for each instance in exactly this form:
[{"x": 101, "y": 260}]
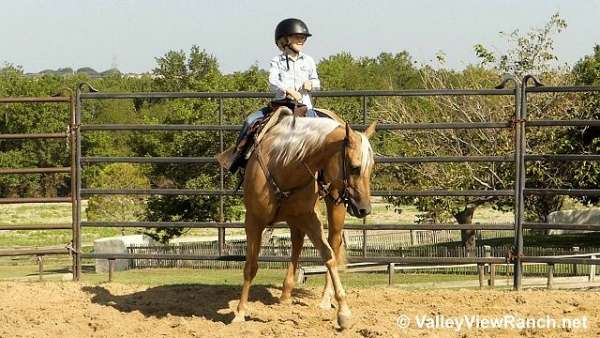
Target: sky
[{"x": 49, "y": 34}]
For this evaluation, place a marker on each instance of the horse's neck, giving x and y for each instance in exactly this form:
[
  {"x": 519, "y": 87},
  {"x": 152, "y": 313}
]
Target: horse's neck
[
  {"x": 331, "y": 146},
  {"x": 298, "y": 173}
]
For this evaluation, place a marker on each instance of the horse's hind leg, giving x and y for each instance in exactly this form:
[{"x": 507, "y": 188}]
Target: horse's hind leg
[
  {"x": 253, "y": 239},
  {"x": 297, "y": 237},
  {"x": 312, "y": 226}
]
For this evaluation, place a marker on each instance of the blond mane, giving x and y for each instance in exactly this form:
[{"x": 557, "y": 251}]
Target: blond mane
[{"x": 295, "y": 139}]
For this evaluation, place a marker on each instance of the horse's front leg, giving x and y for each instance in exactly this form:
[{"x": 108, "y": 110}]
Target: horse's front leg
[
  {"x": 312, "y": 226},
  {"x": 253, "y": 238},
  {"x": 336, "y": 215},
  {"x": 297, "y": 237}
]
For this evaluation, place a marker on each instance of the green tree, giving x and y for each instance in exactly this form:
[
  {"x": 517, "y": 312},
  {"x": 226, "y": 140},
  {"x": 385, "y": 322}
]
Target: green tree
[
  {"x": 118, "y": 207},
  {"x": 33, "y": 118},
  {"x": 455, "y": 142},
  {"x": 197, "y": 71},
  {"x": 529, "y": 53}
]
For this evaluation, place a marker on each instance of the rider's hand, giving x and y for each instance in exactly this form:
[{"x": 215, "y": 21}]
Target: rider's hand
[
  {"x": 307, "y": 85},
  {"x": 294, "y": 94}
]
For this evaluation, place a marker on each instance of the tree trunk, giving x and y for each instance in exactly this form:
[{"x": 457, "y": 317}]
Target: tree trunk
[{"x": 467, "y": 236}]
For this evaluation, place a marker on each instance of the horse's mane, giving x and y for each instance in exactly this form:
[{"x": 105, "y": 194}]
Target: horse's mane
[
  {"x": 366, "y": 153},
  {"x": 295, "y": 138}
]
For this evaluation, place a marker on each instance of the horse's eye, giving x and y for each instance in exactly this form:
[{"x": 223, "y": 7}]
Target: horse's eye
[{"x": 355, "y": 170}]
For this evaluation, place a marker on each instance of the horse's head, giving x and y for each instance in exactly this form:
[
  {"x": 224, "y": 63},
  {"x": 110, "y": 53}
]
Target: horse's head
[{"x": 351, "y": 174}]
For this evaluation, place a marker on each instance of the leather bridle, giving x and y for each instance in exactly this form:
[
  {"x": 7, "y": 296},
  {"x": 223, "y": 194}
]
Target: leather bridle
[{"x": 344, "y": 195}]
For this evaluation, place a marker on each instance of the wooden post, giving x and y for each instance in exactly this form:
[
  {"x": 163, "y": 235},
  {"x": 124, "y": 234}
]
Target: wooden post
[
  {"x": 487, "y": 252},
  {"x": 364, "y": 246},
  {"x": 592, "y": 270},
  {"x": 40, "y": 260},
  {"x": 550, "y": 284},
  {"x": 111, "y": 269},
  {"x": 575, "y": 250},
  {"x": 492, "y": 275},
  {"x": 481, "y": 274},
  {"x": 300, "y": 279},
  {"x": 391, "y": 270}
]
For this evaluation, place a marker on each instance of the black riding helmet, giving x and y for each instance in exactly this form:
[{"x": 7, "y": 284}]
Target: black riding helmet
[{"x": 289, "y": 27}]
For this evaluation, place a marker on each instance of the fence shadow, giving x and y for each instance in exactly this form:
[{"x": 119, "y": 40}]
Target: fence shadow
[{"x": 186, "y": 300}]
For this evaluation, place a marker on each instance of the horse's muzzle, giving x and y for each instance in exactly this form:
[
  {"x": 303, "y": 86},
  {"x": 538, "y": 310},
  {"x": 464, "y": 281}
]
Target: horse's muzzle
[{"x": 356, "y": 210}]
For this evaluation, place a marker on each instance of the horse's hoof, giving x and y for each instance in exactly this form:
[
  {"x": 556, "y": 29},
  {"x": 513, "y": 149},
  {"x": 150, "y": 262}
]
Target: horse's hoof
[
  {"x": 239, "y": 318},
  {"x": 326, "y": 304},
  {"x": 285, "y": 299},
  {"x": 345, "y": 320}
]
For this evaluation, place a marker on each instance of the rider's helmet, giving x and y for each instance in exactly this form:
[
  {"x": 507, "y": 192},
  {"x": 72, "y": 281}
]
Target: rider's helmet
[{"x": 289, "y": 27}]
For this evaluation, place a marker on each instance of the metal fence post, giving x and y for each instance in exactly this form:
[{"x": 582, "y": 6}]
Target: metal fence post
[
  {"x": 519, "y": 126},
  {"x": 74, "y": 174},
  {"x": 364, "y": 221},
  {"x": 221, "y": 239},
  {"x": 78, "y": 171}
]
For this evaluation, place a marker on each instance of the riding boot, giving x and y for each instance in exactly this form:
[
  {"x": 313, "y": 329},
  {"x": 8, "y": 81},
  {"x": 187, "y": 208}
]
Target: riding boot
[{"x": 237, "y": 162}]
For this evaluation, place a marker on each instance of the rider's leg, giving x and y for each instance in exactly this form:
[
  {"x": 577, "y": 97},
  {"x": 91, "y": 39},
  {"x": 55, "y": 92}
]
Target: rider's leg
[
  {"x": 248, "y": 122},
  {"x": 311, "y": 113},
  {"x": 238, "y": 160}
]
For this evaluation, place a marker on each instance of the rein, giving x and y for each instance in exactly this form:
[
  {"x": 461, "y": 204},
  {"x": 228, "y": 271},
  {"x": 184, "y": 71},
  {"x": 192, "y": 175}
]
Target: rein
[
  {"x": 279, "y": 193},
  {"x": 324, "y": 189},
  {"x": 344, "y": 197}
]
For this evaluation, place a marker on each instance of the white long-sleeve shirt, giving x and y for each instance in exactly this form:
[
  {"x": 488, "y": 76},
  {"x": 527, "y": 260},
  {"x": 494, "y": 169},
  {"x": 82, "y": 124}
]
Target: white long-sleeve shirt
[{"x": 282, "y": 78}]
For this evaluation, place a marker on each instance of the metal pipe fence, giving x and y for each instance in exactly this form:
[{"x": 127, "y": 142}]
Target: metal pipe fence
[
  {"x": 67, "y": 136},
  {"x": 363, "y": 95},
  {"x": 518, "y": 125}
]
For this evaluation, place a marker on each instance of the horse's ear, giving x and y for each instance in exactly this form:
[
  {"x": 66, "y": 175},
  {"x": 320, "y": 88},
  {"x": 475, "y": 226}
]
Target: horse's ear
[{"x": 371, "y": 129}]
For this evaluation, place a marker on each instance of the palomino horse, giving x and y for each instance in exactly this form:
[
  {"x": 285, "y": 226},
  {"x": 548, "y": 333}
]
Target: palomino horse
[{"x": 280, "y": 185}]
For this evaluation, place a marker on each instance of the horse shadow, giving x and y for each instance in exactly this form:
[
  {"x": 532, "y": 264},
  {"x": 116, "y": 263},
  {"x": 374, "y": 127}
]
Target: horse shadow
[{"x": 211, "y": 302}]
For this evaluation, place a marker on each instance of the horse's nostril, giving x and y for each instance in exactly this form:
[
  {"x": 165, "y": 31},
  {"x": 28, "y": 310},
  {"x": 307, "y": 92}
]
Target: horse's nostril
[{"x": 364, "y": 212}]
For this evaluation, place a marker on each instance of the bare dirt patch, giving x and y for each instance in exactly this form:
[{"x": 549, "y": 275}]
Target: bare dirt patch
[{"x": 55, "y": 309}]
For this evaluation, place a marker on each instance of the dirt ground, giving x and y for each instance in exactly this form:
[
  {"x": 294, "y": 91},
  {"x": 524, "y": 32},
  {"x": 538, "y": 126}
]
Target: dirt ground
[{"x": 67, "y": 309}]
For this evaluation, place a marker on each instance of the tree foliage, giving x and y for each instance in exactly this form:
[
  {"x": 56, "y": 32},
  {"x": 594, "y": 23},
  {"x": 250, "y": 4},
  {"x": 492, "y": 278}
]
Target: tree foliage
[{"x": 198, "y": 71}]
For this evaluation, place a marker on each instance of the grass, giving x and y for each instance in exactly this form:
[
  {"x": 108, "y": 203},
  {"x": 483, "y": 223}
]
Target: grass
[
  {"x": 264, "y": 277},
  {"x": 552, "y": 241},
  {"x": 382, "y": 213},
  {"x": 17, "y": 214},
  {"x": 233, "y": 277},
  {"x": 566, "y": 241},
  {"x": 34, "y": 213}
]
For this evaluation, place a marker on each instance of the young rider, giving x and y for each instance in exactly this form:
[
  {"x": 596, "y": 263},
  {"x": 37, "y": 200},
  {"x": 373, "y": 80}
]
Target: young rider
[{"x": 292, "y": 74}]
